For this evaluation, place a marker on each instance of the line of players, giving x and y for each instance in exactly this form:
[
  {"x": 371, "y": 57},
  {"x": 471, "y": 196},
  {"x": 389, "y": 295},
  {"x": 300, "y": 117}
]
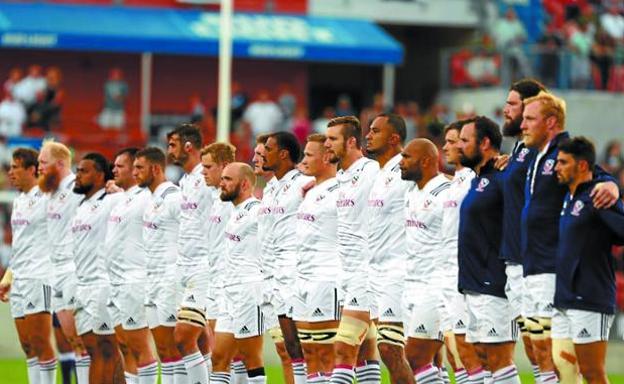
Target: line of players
[{"x": 344, "y": 260}]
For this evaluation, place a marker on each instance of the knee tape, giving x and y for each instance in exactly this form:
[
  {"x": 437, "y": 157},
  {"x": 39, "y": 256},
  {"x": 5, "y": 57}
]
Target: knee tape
[
  {"x": 391, "y": 334},
  {"x": 524, "y": 331},
  {"x": 318, "y": 336},
  {"x": 372, "y": 332},
  {"x": 535, "y": 328},
  {"x": 276, "y": 335},
  {"x": 451, "y": 347},
  {"x": 192, "y": 316},
  {"x": 565, "y": 360},
  {"x": 352, "y": 331},
  {"x": 546, "y": 324}
]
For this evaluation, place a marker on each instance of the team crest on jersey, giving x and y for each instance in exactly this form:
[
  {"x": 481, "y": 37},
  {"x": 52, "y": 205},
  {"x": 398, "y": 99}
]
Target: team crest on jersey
[
  {"x": 286, "y": 188},
  {"x": 197, "y": 183},
  {"x": 483, "y": 183},
  {"x": 548, "y": 167},
  {"x": 427, "y": 203},
  {"x": 389, "y": 180},
  {"x": 319, "y": 198},
  {"x": 578, "y": 206},
  {"x": 522, "y": 155},
  {"x": 355, "y": 179},
  {"x": 63, "y": 196},
  {"x": 94, "y": 207}
]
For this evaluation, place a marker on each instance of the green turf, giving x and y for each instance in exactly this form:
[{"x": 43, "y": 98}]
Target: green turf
[{"x": 14, "y": 372}]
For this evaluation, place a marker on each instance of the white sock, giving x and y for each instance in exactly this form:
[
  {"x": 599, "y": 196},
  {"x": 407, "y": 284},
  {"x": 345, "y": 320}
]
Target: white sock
[
  {"x": 444, "y": 375},
  {"x": 549, "y": 377},
  {"x": 536, "y": 373},
  {"x": 507, "y": 375},
  {"x": 220, "y": 377},
  {"x": 148, "y": 374},
  {"x": 131, "y": 378},
  {"x": 33, "y": 370},
  {"x": 179, "y": 372},
  {"x": 47, "y": 372},
  {"x": 239, "y": 372},
  {"x": 257, "y": 380},
  {"x": 428, "y": 374},
  {"x": 208, "y": 361},
  {"x": 166, "y": 372},
  {"x": 317, "y": 378},
  {"x": 82, "y": 369},
  {"x": 342, "y": 374},
  {"x": 196, "y": 368},
  {"x": 461, "y": 376},
  {"x": 368, "y": 373},
  {"x": 488, "y": 378},
  {"x": 477, "y": 376},
  {"x": 299, "y": 371}
]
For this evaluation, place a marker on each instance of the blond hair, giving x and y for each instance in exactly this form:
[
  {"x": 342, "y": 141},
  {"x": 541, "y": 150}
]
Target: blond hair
[
  {"x": 58, "y": 151},
  {"x": 550, "y": 105},
  {"x": 221, "y": 153}
]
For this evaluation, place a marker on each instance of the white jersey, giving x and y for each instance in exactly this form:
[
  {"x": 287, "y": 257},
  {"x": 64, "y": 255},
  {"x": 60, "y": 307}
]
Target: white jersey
[
  {"x": 161, "y": 225},
  {"x": 89, "y": 231},
  {"x": 386, "y": 224},
  {"x": 282, "y": 235},
  {"x": 195, "y": 210},
  {"x": 62, "y": 205},
  {"x": 31, "y": 253},
  {"x": 215, "y": 229},
  {"x": 242, "y": 245},
  {"x": 460, "y": 185},
  {"x": 423, "y": 229},
  {"x": 265, "y": 220},
  {"x": 123, "y": 244},
  {"x": 318, "y": 258},
  {"x": 354, "y": 187}
]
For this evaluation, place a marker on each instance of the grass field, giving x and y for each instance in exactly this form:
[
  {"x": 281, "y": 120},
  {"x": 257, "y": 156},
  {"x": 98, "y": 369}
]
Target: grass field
[{"x": 13, "y": 371}]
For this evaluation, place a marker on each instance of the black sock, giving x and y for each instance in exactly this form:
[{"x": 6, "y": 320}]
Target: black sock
[
  {"x": 256, "y": 372},
  {"x": 68, "y": 369}
]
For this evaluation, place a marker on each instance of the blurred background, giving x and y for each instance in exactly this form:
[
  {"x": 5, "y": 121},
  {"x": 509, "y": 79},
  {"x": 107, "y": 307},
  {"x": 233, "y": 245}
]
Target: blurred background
[{"x": 104, "y": 74}]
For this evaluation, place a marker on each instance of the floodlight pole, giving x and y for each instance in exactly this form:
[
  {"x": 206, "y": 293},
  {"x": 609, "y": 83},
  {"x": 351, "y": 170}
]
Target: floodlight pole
[
  {"x": 225, "y": 72},
  {"x": 388, "y": 85},
  {"x": 146, "y": 91}
]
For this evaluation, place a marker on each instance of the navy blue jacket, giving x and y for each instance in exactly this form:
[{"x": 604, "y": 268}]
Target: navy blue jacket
[
  {"x": 585, "y": 264},
  {"x": 540, "y": 214},
  {"x": 481, "y": 269},
  {"x": 514, "y": 180}
]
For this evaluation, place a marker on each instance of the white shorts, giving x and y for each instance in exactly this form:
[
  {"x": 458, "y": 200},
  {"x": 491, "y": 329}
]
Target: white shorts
[
  {"x": 387, "y": 294},
  {"x": 224, "y": 318},
  {"x": 91, "y": 313},
  {"x": 244, "y": 304},
  {"x": 514, "y": 288},
  {"x": 316, "y": 302},
  {"x": 29, "y": 296},
  {"x": 194, "y": 283},
  {"x": 455, "y": 315},
  {"x": 423, "y": 313},
  {"x": 357, "y": 295},
  {"x": 64, "y": 291},
  {"x": 161, "y": 297},
  {"x": 539, "y": 295},
  {"x": 583, "y": 327},
  {"x": 490, "y": 320},
  {"x": 212, "y": 304},
  {"x": 127, "y": 306}
]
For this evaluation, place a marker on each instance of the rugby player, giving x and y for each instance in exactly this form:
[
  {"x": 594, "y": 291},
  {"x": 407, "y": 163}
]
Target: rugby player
[
  {"x": 356, "y": 338},
  {"x": 281, "y": 155},
  {"x": 543, "y": 128},
  {"x": 127, "y": 271},
  {"x": 585, "y": 285},
  {"x": 316, "y": 312},
  {"x": 244, "y": 279},
  {"x": 93, "y": 321},
  {"x": 491, "y": 322},
  {"x": 161, "y": 221},
  {"x": 28, "y": 279},
  {"x": 57, "y": 179},
  {"x": 422, "y": 296},
  {"x": 183, "y": 148},
  {"x": 461, "y": 355},
  {"x": 386, "y": 239}
]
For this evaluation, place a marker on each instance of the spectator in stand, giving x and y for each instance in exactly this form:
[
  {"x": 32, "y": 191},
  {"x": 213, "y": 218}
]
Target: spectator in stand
[
  {"x": 12, "y": 116},
  {"x": 319, "y": 125},
  {"x": 369, "y": 113},
  {"x": 580, "y": 44},
  {"x": 287, "y": 103},
  {"x": 198, "y": 109},
  {"x": 27, "y": 89},
  {"x": 612, "y": 22},
  {"x": 113, "y": 115},
  {"x": 45, "y": 113},
  {"x": 15, "y": 75},
  {"x": 239, "y": 102},
  {"x": 344, "y": 106},
  {"x": 549, "y": 46},
  {"x": 509, "y": 35},
  {"x": 613, "y": 159},
  {"x": 602, "y": 57},
  {"x": 301, "y": 125},
  {"x": 263, "y": 114}
]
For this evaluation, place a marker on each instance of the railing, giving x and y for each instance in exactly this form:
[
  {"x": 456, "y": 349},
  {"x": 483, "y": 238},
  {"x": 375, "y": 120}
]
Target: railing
[{"x": 476, "y": 67}]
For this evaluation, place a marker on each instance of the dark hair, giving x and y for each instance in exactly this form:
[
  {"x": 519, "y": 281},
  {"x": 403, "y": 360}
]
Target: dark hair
[
  {"x": 485, "y": 127},
  {"x": 101, "y": 164},
  {"x": 289, "y": 142},
  {"x": 455, "y": 126},
  {"x": 130, "y": 152},
  {"x": 527, "y": 88},
  {"x": 350, "y": 128},
  {"x": 262, "y": 138},
  {"x": 27, "y": 156},
  {"x": 397, "y": 123},
  {"x": 580, "y": 148},
  {"x": 187, "y": 132},
  {"x": 153, "y": 155}
]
